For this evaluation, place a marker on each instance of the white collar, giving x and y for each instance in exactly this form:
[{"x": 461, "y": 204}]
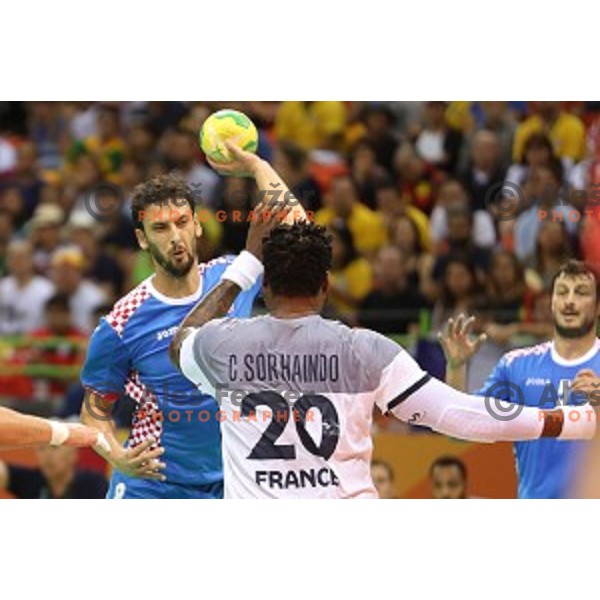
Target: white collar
[
  {"x": 559, "y": 360},
  {"x": 174, "y": 301}
]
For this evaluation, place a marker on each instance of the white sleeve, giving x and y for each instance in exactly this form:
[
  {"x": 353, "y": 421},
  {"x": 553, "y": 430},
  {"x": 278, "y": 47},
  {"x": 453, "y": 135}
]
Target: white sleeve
[
  {"x": 435, "y": 404},
  {"x": 190, "y": 362}
]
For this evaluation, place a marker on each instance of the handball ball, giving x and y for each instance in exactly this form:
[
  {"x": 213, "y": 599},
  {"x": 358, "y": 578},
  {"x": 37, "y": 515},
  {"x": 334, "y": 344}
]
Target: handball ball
[{"x": 227, "y": 125}]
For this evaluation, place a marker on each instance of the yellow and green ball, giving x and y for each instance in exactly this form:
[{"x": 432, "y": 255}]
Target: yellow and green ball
[{"x": 227, "y": 125}]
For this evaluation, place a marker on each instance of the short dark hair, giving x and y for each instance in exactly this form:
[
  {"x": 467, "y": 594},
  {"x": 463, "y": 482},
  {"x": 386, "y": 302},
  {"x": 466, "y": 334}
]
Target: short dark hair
[
  {"x": 60, "y": 301},
  {"x": 573, "y": 268},
  {"x": 297, "y": 258},
  {"x": 449, "y": 461},
  {"x": 159, "y": 190},
  {"x": 384, "y": 465}
]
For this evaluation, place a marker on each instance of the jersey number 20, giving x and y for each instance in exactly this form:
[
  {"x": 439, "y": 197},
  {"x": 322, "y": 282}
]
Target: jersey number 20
[{"x": 280, "y": 409}]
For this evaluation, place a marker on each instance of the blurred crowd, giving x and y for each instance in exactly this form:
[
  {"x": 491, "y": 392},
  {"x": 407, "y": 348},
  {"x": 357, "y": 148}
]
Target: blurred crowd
[{"x": 434, "y": 208}]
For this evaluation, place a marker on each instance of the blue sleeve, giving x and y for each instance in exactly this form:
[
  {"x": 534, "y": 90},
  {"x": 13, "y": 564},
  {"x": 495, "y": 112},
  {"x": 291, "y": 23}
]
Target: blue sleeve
[
  {"x": 107, "y": 362},
  {"x": 242, "y": 306},
  {"x": 498, "y": 384}
]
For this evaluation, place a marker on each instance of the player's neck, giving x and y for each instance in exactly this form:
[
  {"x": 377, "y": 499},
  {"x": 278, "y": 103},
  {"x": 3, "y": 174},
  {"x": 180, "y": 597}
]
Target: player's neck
[
  {"x": 177, "y": 287},
  {"x": 294, "y": 308},
  {"x": 571, "y": 349}
]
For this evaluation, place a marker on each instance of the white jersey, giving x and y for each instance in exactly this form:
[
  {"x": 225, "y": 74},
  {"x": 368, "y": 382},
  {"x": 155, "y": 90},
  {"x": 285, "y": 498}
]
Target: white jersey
[
  {"x": 22, "y": 308},
  {"x": 296, "y": 401}
]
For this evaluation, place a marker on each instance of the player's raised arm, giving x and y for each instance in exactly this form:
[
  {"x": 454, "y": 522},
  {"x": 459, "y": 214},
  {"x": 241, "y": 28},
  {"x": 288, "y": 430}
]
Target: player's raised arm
[
  {"x": 459, "y": 345},
  {"x": 241, "y": 275},
  {"x": 22, "y": 431}
]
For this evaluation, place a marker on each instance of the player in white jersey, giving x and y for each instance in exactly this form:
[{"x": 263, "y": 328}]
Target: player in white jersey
[{"x": 297, "y": 391}]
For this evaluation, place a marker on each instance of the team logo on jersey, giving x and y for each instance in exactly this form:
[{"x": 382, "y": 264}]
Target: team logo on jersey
[
  {"x": 537, "y": 381},
  {"x": 165, "y": 333}
]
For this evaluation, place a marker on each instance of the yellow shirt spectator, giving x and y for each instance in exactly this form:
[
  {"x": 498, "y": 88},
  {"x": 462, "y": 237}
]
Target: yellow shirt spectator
[
  {"x": 310, "y": 125},
  {"x": 367, "y": 228},
  {"x": 567, "y": 134}
]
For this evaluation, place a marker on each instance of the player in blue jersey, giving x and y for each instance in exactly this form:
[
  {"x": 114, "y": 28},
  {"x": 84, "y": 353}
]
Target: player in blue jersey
[
  {"x": 174, "y": 447},
  {"x": 558, "y": 372}
]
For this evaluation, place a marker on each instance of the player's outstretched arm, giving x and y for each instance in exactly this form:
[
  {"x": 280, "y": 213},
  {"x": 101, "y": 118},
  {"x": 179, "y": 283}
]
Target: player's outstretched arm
[
  {"x": 433, "y": 403},
  {"x": 22, "y": 431},
  {"x": 241, "y": 275},
  {"x": 141, "y": 461}
]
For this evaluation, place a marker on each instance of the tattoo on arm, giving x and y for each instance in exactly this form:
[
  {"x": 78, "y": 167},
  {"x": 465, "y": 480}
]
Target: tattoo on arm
[{"x": 216, "y": 304}]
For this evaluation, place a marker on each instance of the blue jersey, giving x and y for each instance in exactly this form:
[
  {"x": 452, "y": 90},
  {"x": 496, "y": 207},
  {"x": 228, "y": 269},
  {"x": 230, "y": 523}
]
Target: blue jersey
[
  {"x": 545, "y": 467},
  {"x": 128, "y": 353}
]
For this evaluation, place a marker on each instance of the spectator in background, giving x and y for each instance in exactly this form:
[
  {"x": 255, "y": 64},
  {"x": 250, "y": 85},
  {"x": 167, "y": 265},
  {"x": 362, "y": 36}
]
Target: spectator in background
[
  {"x": 351, "y": 278},
  {"x": 485, "y": 170},
  {"x": 100, "y": 266},
  {"x": 291, "y": 161},
  {"x": 183, "y": 156},
  {"x": 383, "y": 478},
  {"x": 23, "y": 294},
  {"x": 448, "y": 476},
  {"x": 67, "y": 272},
  {"x": 417, "y": 179},
  {"x": 45, "y": 227},
  {"x": 507, "y": 292},
  {"x": 537, "y": 152},
  {"x": 565, "y": 130},
  {"x": 418, "y": 261},
  {"x": 453, "y": 194},
  {"x": 379, "y": 123},
  {"x": 107, "y": 146},
  {"x": 394, "y": 305},
  {"x": 460, "y": 291},
  {"x": 460, "y": 242},
  {"x": 7, "y": 231},
  {"x": 368, "y": 232},
  {"x": 366, "y": 172},
  {"x": 392, "y": 206},
  {"x": 26, "y": 179},
  {"x": 552, "y": 248},
  {"x": 311, "y": 125},
  {"x": 546, "y": 204},
  {"x": 11, "y": 200},
  {"x": 497, "y": 117},
  {"x": 142, "y": 145},
  {"x": 70, "y": 352},
  {"x": 437, "y": 143},
  {"x": 56, "y": 477}
]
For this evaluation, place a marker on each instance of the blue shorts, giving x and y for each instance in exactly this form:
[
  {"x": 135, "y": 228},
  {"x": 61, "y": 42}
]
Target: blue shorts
[{"x": 123, "y": 487}]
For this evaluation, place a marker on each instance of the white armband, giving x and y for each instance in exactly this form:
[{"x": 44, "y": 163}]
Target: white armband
[
  {"x": 244, "y": 271},
  {"x": 60, "y": 433}
]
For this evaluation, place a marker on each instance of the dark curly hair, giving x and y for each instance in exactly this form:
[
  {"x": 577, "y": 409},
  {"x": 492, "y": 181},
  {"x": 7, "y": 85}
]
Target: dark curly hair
[
  {"x": 159, "y": 190},
  {"x": 297, "y": 258}
]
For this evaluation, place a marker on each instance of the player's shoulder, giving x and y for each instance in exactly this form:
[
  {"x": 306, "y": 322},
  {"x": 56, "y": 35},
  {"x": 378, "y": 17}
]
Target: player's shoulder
[
  {"x": 123, "y": 309},
  {"x": 527, "y": 354},
  {"x": 216, "y": 264}
]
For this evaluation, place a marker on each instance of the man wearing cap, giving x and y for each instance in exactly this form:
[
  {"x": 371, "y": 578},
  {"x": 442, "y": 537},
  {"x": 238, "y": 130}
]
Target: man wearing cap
[{"x": 67, "y": 272}]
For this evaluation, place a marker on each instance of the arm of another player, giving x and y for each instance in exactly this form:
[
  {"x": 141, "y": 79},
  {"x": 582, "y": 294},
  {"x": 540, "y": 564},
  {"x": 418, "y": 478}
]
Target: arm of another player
[
  {"x": 22, "y": 431},
  {"x": 141, "y": 461},
  {"x": 414, "y": 396},
  {"x": 241, "y": 275},
  {"x": 459, "y": 347}
]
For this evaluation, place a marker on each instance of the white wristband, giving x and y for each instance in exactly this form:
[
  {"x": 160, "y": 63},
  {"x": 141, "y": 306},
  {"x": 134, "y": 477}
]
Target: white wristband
[
  {"x": 60, "y": 433},
  {"x": 579, "y": 422},
  {"x": 244, "y": 270}
]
